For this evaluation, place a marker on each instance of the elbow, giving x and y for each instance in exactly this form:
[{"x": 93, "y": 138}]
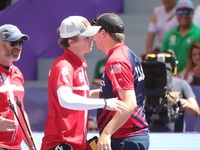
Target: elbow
[
  {"x": 196, "y": 113},
  {"x": 62, "y": 104}
]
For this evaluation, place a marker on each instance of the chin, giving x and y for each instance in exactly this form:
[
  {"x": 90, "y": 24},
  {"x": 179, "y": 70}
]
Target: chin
[{"x": 15, "y": 58}]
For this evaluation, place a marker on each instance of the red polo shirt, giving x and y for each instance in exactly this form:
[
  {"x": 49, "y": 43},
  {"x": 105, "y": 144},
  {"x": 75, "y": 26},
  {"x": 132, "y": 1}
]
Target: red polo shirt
[{"x": 65, "y": 125}]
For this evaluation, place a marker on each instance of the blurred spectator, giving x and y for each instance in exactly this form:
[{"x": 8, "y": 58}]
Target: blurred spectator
[
  {"x": 99, "y": 69},
  {"x": 92, "y": 125},
  {"x": 184, "y": 96},
  {"x": 162, "y": 20},
  {"x": 192, "y": 71},
  {"x": 181, "y": 38},
  {"x": 196, "y": 18}
]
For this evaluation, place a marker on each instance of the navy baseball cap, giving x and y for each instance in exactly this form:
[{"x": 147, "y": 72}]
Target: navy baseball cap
[
  {"x": 110, "y": 22},
  {"x": 11, "y": 33}
]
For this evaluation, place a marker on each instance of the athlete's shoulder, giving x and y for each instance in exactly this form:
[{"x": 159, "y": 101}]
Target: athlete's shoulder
[
  {"x": 61, "y": 63},
  {"x": 17, "y": 70}
]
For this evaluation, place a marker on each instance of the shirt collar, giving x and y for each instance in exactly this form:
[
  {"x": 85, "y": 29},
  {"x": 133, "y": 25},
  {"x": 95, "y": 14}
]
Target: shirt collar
[
  {"x": 3, "y": 69},
  {"x": 191, "y": 30},
  {"x": 114, "y": 49},
  {"x": 75, "y": 58}
]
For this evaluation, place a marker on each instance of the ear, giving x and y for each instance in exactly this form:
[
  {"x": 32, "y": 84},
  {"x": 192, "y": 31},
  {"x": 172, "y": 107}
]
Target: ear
[
  {"x": 71, "y": 42},
  {"x": 103, "y": 33}
]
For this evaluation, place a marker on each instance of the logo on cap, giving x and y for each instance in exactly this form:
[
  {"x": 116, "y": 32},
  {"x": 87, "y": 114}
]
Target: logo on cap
[{"x": 86, "y": 22}]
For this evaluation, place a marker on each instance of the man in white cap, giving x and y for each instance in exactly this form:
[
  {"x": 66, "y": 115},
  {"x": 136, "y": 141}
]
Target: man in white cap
[
  {"x": 68, "y": 89},
  {"x": 11, "y": 89}
]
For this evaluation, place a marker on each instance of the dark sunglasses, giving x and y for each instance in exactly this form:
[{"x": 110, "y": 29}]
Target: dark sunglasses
[
  {"x": 14, "y": 43},
  {"x": 182, "y": 12}
]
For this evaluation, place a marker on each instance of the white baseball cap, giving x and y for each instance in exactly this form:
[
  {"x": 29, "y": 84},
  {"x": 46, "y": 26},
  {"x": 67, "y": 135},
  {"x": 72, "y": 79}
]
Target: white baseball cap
[{"x": 77, "y": 25}]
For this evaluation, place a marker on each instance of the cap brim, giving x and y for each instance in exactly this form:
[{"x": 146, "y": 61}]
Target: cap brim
[
  {"x": 91, "y": 31},
  {"x": 16, "y": 37},
  {"x": 184, "y": 8}
]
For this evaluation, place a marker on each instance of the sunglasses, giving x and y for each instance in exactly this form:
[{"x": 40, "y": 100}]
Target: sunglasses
[
  {"x": 182, "y": 12},
  {"x": 14, "y": 43}
]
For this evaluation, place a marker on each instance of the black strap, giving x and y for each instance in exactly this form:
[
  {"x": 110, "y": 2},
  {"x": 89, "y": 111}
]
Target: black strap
[
  {"x": 158, "y": 110},
  {"x": 62, "y": 146}
]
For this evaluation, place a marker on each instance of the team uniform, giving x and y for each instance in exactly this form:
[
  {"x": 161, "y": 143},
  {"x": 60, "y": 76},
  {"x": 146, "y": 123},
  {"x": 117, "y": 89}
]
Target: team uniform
[
  {"x": 67, "y": 70},
  {"x": 180, "y": 44},
  {"x": 123, "y": 71},
  {"x": 11, "y": 86}
]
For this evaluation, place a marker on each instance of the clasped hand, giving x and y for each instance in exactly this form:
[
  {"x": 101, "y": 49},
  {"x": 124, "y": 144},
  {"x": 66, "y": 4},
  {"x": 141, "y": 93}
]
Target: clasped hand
[{"x": 116, "y": 105}]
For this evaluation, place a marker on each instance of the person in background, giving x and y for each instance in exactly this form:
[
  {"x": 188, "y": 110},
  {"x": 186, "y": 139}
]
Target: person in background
[
  {"x": 181, "y": 92},
  {"x": 181, "y": 38},
  {"x": 11, "y": 89},
  {"x": 99, "y": 69},
  {"x": 92, "y": 125},
  {"x": 162, "y": 20},
  {"x": 192, "y": 71},
  {"x": 68, "y": 89},
  {"x": 123, "y": 78},
  {"x": 196, "y": 18}
]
